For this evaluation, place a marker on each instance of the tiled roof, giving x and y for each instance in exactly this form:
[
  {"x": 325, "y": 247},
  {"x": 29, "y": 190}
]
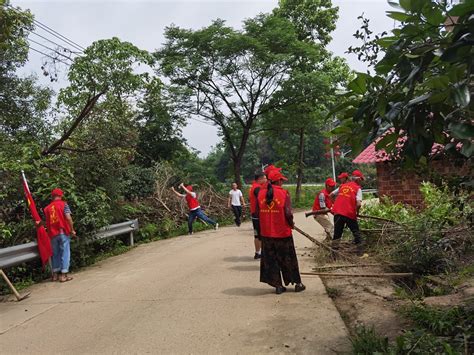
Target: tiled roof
[{"x": 370, "y": 156}]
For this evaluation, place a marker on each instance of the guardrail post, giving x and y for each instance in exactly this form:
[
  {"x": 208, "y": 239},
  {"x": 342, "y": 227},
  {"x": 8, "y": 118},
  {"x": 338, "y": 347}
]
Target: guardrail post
[{"x": 131, "y": 239}]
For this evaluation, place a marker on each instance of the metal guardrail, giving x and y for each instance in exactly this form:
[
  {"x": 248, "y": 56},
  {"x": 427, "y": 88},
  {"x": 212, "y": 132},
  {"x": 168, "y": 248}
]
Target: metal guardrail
[
  {"x": 22, "y": 253},
  {"x": 369, "y": 191},
  {"x": 18, "y": 254}
]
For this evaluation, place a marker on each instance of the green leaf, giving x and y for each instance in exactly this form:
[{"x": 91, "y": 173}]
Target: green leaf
[
  {"x": 382, "y": 106},
  {"x": 395, "y": 4},
  {"x": 467, "y": 149},
  {"x": 462, "y": 9},
  {"x": 359, "y": 84},
  {"x": 434, "y": 15},
  {"x": 462, "y": 130},
  {"x": 406, "y": 4},
  {"x": 419, "y": 99},
  {"x": 438, "y": 97},
  {"x": 461, "y": 95},
  {"x": 399, "y": 16},
  {"x": 388, "y": 142}
]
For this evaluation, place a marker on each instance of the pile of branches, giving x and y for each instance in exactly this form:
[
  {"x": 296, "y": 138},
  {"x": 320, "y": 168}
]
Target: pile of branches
[
  {"x": 166, "y": 206},
  {"x": 421, "y": 248}
]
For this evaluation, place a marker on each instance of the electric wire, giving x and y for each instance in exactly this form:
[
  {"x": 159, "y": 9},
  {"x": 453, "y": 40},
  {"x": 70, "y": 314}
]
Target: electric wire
[
  {"x": 51, "y": 31},
  {"x": 50, "y": 41},
  {"x": 47, "y": 55},
  {"x": 51, "y": 49}
]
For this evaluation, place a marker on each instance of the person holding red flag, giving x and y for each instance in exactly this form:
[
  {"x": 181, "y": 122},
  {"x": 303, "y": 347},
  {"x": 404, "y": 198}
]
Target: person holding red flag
[
  {"x": 60, "y": 228},
  {"x": 323, "y": 203},
  {"x": 260, "y": 181},
  {"x": 346, "y": 207},
  {"x": 276, "y": 222}
]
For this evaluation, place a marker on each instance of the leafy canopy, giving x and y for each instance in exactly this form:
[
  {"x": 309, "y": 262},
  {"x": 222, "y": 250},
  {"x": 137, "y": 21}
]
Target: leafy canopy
[{"x": 422, "y": 86}]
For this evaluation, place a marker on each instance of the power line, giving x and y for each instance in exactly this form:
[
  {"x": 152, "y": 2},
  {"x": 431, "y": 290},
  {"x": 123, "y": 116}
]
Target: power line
[
  {"x": 51, "y": 49},
  {"x": 51, "y": 31},
  {"x": 50, "y": 41},
  {"x": 47, "y": 55}
]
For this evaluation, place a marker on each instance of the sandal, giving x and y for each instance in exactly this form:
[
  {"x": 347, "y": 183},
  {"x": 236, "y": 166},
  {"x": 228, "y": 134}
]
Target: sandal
[
  {"x": 54, "y": 278},
  {"x": 65, "y": 279}
]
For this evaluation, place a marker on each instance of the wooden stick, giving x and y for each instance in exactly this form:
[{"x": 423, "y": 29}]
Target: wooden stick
[
  {"x": 327, "y": 247},
  {"x": 379, "y": 219},
  {"x": 15, "y": 292},
  {"x": 351, "y": 265},
  {"x": 330, "y": 274}
]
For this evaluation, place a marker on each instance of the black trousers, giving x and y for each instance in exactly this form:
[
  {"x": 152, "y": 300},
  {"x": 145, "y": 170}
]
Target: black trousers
[
  {"x": 279, "y": 259},
  {"x": 237, "y": 214},
  {"x": 340, "y": 222}
]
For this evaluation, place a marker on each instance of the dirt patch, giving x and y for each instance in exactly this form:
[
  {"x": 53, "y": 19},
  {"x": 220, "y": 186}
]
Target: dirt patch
[{"x": 367, "y": 301}]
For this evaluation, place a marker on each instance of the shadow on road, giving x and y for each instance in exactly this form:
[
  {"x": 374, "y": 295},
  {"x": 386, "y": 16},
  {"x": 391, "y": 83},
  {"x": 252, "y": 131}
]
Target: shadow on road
[
  {"x": 248, "y": 291},
  {"x": 236, "y": 259},
  {"x": 246, "y": 267}
]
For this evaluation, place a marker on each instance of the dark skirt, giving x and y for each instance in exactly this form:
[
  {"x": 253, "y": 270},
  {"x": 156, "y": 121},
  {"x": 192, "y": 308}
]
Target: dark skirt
[{"x": 279, "y": 259}]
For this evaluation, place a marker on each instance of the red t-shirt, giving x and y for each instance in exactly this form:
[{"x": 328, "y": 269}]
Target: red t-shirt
[
  {"x": 317, "y": 201},
  {"x": 346, "y": 200},
  {"x": 274, "y": 217},
  {"x": 193, "y": 202},
  {"x": 252, "y": 197},
  {"x": 56, "y": 222}
]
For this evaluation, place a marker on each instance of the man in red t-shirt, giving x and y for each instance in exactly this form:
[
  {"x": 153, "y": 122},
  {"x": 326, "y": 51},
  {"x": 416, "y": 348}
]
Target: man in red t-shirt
[
  {"x": 346, "y": 207},
  {"x": 195, "y": 210},
  {"x": 323, "y": 203},
  {"x": 60, "y": 228},
  {"x": 260, "y": 181}
]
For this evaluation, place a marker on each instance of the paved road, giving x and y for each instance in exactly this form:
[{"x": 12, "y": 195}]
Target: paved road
[{"x": 187, "y": 295}]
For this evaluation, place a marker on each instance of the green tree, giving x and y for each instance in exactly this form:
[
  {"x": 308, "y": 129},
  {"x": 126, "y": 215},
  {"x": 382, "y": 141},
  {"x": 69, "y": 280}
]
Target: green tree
[
  {"x": 422, "y": 87},
  {"x": 229, "y": 77},
  {"x": 108, "y": 70},
  {"x": 314, "y": 20},
  {"x": 160, "y": 136}
]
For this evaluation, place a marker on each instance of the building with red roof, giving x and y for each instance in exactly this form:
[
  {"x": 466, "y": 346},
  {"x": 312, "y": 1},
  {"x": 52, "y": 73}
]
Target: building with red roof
[{"x": 402, "y": 185}]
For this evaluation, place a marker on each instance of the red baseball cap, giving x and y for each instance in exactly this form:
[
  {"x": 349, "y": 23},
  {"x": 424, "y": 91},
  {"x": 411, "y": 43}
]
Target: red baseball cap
[
  {"x": 343, "y": 176},
  {"x": 57, "y": 192},
  {"x": 330, "y": 182},
  {"x": 358, "y": 174},
  {"x": 270, "y": 168},
  {"x": 189, "y": 187},
  {"x": 276, "y": 175}
]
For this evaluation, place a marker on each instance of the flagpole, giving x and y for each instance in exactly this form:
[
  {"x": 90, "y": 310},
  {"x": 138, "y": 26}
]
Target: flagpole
[{"x": 28, "y": 188}]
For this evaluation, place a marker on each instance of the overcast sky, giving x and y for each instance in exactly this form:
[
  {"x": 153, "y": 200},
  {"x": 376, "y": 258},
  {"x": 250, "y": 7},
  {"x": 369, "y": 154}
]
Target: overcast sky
[{"x": 142, "y": 22}]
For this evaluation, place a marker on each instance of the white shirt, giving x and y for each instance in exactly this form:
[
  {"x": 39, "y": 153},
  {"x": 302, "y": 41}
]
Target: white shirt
[{"x": 236, "y": 195}]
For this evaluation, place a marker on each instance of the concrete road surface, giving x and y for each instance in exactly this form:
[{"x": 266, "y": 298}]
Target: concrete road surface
[{"x": 187, "y": 295}]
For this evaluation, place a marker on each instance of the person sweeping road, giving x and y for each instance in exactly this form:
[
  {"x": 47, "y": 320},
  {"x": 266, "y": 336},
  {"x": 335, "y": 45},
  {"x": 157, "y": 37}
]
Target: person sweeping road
[
  {"x": 259, "y": 182},
  {"x": 195, "y": 210},
  {"x": 323, "y": 203},
  {"x": 278, "y": 248}
]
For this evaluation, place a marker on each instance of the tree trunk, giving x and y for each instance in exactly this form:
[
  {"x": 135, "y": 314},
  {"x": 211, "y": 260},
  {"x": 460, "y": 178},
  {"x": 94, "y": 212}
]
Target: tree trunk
[
  {"x": 299, "y": 170},
  {"x": 237, "y": 163}
]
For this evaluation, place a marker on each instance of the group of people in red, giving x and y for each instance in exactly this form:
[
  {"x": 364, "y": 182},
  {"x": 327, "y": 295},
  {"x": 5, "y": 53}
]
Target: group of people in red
[{"x": 343, "y": 202}]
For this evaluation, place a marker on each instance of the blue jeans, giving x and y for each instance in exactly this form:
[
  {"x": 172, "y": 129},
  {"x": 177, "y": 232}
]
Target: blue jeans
[
  {"x": 199, "y": 214},
  {"x": 61, "y": 253}
]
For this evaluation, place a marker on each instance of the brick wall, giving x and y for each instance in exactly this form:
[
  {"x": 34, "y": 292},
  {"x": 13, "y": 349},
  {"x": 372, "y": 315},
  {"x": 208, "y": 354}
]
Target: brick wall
[
  {"x": 399, "y": 185},
  {"x": 403, "y": 186}
]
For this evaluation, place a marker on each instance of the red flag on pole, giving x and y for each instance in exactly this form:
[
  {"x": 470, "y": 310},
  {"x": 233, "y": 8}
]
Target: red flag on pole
[{"x": 44, "y": 243}]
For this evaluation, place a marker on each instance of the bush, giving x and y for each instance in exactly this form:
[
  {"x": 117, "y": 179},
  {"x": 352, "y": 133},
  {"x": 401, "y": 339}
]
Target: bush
[{"x": 426, "y": 242}]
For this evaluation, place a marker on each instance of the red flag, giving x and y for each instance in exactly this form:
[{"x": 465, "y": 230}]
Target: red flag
[{"x": 44, "y": 243}]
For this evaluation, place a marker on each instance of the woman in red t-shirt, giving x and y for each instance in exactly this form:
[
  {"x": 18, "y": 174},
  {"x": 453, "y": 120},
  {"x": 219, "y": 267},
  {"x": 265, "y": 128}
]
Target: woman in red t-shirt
[{"x": 278, "y": 249}]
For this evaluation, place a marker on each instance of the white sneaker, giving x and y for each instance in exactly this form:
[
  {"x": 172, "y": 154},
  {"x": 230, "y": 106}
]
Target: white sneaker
[{"x": 216, "y": 227}]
